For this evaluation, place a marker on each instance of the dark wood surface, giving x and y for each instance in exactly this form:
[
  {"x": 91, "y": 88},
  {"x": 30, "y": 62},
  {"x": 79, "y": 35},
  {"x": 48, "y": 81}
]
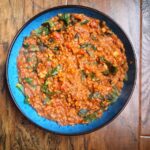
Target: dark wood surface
[
  {"x": 127, "y": 130},
  {"x": 145, "y": 143}
]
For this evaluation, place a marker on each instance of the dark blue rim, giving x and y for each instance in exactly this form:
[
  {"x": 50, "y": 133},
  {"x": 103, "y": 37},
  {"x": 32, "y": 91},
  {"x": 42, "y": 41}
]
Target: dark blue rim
[{"x": 70, "y": 6}]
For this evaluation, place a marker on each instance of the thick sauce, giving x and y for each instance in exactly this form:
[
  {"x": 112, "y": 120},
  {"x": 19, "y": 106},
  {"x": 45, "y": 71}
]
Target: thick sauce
[{"x": 72, "y": 68}]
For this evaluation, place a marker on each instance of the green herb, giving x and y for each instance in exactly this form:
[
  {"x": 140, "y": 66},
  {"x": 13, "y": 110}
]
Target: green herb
[
  {"x": 91, "y": 117},
  {"x": 20, "y": 87},
  {"x": 26, "y": 100},
  {"x": 28, "y": 67},
  {"x": 65, "y": 17},
  {"x": 46, "y": 82},
  {"x": 114, "y": 95},
  {"x": 126, "y": 78},
  {"x": 35, "y": 66},
  {"x": 25, "y": 45},
  {"x": 51, "y": 24},
  {"x": 41, "y": 30},
  {"x": 44, "y": 89},
  {"x": 46, "y": 100},
  {"x": 56, "y": 48},
  {"x": 101, "y": 59},
  {"x": 34, "y": 48},
  {"x": 74, "y": 20},
  {"x": 46, "y": 30},
  {"x": 92, "y": 75},
  {"x": 103, "y": 106},
  {"x": 94, "y": 47},
  {"x": 82, "y": 112},
  {"x": 95, "y": 95},
  {"x": 28, "y": 59},
  {"x": 84, "y": 22},
  {"x": 28, "y": 80},
  {"x": 88, "y": 45},
  {"x": 55, "y": 70},
  {"x": 85, "y": 45},
  {"x": 111, "y": 68},
  {"x": 106, "y": 72},
  {"x": 95, "y": 63},
  {"x": 83, "y": 75}
]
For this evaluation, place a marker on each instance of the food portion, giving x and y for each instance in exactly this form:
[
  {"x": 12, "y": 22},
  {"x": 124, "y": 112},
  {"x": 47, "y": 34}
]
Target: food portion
[{"x": 72, "y": 68}]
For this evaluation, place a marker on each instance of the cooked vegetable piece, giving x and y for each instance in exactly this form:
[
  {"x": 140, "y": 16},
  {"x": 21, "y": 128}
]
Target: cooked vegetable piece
[
  {"x": 104, "y": 104},
  {"x": 74, "y": 20},
  {"x": 65, "y": 17},
  {"x": 87, "y": 46},
  {"x": 34, "y": 48},
  {"x": 56, "y": 48},
  {"x": 126, "y": 77},
  {"x": 84, "y": 22},
  {"x": 55, "y": 70},
  {"x": 25, "y": 45},
  {"x": 101, "y": 59},
  {"x": 91, "y": 117},
  {"x": 35, "y": 66},
  {"x": 113, "y": 96},
  {"x": 83, "y": 75},
  {"x": 26, "y": 100},
  {"x": 90, "y": 53},
  {"x": 46, "y": 101},
  {"x": 28, "y": 80},
  {"x": 111, "y": 68},
  {"x": 92, "y": 75},
  {"x": 42, "y": 30},
  {"x": 94, "y": 47},
  {"x": 20, "y": 87},
  {"x": 44, "y": 89},
  {"x": 28, "y": 59},
  {"x": 95, "y": 95},
  {"x": 83, "y": 112},
  {"x": 51, "y": 24},
  {"x": 106, "y": 72}
]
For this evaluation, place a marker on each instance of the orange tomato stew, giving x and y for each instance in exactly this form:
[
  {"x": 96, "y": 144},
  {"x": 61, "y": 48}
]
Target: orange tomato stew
[{"x": 71, "y": 68}]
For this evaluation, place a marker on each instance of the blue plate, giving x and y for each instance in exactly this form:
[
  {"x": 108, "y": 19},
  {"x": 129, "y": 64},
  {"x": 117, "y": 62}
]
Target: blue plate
[{"x": 29, "y": 112}]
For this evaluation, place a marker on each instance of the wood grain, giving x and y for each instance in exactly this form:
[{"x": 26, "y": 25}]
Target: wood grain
[
  {"x": 145, "y": 106},
  {"x": 145, "y": 143},
  {"x": 17, "y": 133}
]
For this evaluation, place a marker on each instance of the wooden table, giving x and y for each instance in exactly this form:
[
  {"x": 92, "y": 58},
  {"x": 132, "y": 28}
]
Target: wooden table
[{"x": 129, "y": 131}]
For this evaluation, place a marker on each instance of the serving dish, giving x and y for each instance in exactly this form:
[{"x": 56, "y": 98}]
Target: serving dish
[{"x": 29, "y": 112}]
